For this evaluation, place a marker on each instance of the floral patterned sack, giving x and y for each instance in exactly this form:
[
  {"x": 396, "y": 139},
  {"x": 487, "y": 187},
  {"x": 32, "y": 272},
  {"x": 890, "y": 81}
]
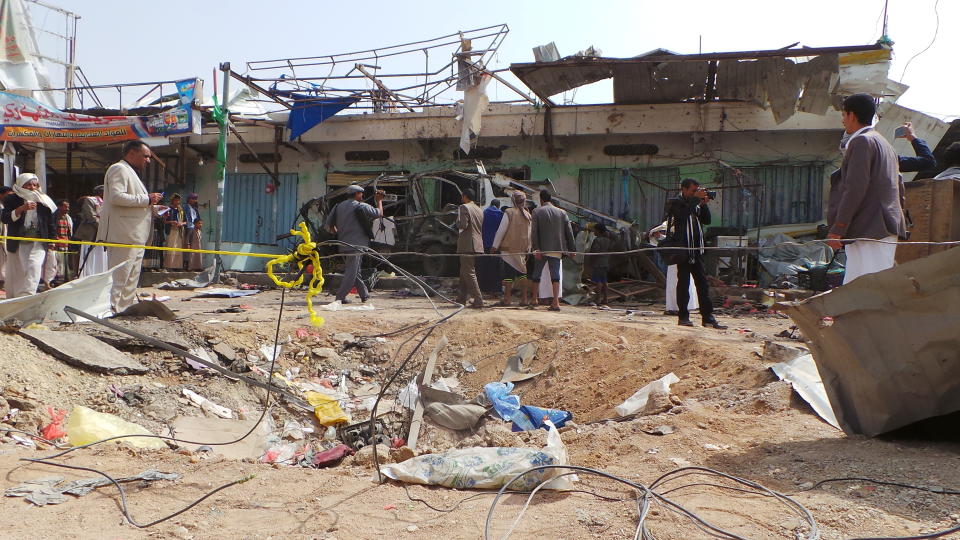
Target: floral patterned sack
[{"x": 487, "y": 468}]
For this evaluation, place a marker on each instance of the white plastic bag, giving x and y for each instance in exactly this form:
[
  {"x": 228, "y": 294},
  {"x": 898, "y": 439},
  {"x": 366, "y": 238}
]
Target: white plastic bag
[
  {"x": 638, "y": 400},
  {"x": 487, "y": 468}
]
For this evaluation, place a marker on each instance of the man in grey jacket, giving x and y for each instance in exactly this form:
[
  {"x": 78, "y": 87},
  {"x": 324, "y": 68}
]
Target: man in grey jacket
[
  {"x": 551, "y": 238},
  {"x": 346, "y": 220},
  {"x": 866, "y": 200},
  {"x": 469, "y": 246}
]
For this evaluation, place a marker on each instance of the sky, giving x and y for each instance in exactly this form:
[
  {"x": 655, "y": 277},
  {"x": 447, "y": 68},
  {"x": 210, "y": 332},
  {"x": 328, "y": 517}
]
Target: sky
[{"x": 137, "y": 41}]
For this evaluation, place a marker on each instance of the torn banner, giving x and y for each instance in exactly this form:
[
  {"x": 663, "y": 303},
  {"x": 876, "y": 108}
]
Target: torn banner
[{"x": 887, "y": 346}]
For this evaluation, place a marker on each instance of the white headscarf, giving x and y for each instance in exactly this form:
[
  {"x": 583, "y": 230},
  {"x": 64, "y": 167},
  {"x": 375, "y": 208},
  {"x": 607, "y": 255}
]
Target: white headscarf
[{"x": 37, "y": 196}]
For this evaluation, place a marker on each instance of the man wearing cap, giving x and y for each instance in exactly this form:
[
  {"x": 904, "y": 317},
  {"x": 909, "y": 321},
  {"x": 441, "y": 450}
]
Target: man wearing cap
[{"x": 350, "y": 221}]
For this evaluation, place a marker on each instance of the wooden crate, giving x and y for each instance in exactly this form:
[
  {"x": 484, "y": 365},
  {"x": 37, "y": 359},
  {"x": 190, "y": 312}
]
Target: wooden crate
[{"x": 934, "y": 206}]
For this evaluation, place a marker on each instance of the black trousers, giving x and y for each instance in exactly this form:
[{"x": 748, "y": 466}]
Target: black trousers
[{"x": 684, "y": 271}]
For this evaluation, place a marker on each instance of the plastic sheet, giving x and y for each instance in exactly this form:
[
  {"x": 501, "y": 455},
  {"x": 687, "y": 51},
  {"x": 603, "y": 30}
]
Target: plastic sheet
[
  {"x": 486, "y": 468},
  {"x": 87, "y": 425}
]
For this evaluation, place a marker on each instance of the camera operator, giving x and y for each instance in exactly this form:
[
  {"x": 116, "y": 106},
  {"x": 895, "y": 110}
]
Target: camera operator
[{"x": 689, "y": 212}]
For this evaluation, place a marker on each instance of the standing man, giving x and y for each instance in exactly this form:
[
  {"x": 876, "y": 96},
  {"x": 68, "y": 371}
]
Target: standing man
[
  {"x": 866, "y": 200},
  {"x": 126, "y": 218},
  {"x": 513, "y": 242},
  {"x": 952, "y": 158},
  {"x": 58, "y": 261},
  {"x": 351, "y": 221},
  {"x": 93, "y": 259},
  {"x": 191, "y": 215},
  {"x": 550, "y": 236},
  {"x": 469, "y": 245},
  {"x": 600, "y": 264},
  {"x": 488, "y": 268},
  {"x": 4, "y": 191},
  {"x": 175, "y": 227},
  {"x": 689, "y": 212}
]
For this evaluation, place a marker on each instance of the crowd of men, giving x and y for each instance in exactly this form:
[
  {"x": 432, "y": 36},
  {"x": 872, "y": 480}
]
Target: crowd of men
[
  {"x": 515, "y": 250},
  {"x": 119, "y": 211}
]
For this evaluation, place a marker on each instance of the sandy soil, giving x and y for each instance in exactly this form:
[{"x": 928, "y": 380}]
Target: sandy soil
[{"x": 729, "y": 413}]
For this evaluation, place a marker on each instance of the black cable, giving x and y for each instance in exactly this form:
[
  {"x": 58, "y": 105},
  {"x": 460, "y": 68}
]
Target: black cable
[
  {"x": 123, "y": 497},
  {"x": 942, "y": 491},
  {"x": 487, "y": 493},
  {"x": 938, "y": 534}
]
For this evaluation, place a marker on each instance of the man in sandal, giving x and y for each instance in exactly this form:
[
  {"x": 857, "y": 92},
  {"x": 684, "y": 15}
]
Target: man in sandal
[
  {"x": 469, "y": 246},
  {"x": 551, "y": 237}
]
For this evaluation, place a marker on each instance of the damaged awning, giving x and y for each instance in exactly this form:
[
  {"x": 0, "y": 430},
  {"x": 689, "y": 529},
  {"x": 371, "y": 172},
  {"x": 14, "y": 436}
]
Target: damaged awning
[{"x": 785, "y": 80}]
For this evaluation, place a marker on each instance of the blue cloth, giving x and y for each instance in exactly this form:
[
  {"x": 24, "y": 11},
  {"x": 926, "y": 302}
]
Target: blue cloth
[
  {"x": 492, "y": 217},
  {"x": 530, "y": 417},
  {"x": 311, "y": 111},
  {"x": 924, "y": 160},
  {"x": 504, "y": 404}
]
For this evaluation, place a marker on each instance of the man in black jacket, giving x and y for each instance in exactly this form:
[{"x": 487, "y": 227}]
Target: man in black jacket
[{"x": 687, "y": 214}]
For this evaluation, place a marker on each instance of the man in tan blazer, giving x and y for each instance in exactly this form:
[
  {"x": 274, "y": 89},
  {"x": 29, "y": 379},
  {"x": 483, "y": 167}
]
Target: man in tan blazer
[
  {"x": 469, "y": 245},
  {"x": 866, "y": 198},
  {"x": 125, "y": 218}
]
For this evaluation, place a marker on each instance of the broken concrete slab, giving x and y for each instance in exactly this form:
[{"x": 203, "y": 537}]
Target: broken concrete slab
[
  {"x": 775, "y": 353},
  {"x": 886, "y": 345},
  {"x": 168, "y": 332},
  {"x": 84, "y": 352},
  {"x": 149, "y": 308}
]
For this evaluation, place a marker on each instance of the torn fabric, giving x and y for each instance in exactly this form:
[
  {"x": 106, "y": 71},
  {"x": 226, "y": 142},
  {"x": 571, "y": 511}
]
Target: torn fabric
[{"x": 475, "y": 100}]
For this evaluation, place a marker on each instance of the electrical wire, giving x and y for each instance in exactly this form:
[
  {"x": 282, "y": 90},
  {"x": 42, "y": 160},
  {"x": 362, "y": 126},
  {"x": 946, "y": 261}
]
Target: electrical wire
[
  {"x": 936, "y": 30},
  {"x": 123, "y": 498},
  {"x": 649, "y": 494}
]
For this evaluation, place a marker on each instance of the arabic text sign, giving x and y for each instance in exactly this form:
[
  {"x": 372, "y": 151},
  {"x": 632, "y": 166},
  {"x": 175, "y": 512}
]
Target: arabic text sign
[{"x": 26, "y": 120}]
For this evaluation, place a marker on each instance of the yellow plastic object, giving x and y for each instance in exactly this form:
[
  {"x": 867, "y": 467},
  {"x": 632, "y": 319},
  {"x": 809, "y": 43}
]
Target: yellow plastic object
[
  {"x": 327, "y": 409},
  {"x": 87, "y": 425},
  {"x": 306, "y": 253}
]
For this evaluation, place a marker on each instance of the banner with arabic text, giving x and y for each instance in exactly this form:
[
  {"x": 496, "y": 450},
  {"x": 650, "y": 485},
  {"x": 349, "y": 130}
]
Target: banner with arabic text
[{"x": 26, "y": 120}]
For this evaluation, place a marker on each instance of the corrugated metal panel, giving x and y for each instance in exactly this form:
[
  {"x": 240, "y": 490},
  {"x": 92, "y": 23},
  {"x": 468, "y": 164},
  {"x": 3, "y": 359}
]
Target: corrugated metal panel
[
  {"x": 251, "y": 215},
  {"x": 787, "y": 194},
  {"x": 618, "y": 192}
]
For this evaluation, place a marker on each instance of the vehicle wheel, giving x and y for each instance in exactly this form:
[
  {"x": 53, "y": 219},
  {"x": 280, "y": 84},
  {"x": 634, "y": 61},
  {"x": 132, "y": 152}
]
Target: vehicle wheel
[{"x": 437, "y": 266}]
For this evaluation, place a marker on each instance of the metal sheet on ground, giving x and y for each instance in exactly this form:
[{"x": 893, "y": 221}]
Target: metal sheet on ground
[{"x": 887, "y": 345}]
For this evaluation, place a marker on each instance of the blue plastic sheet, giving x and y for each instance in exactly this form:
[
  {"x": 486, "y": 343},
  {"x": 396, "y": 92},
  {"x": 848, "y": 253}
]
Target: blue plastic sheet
[
  {"x": 530, "y": 417},
  {"x": 524, "y": 417}
]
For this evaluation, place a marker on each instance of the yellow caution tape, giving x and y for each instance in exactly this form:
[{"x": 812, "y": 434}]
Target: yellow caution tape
[
  {"x": 306, "y": 253},
  {"x": 134, "y": 246}
]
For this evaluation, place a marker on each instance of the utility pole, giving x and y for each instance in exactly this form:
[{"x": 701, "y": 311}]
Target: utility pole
[{"x": 222, "y": 158}]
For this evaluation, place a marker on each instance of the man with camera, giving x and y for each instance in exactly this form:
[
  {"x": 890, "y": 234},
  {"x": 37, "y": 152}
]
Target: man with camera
[{"x": 686, "y": 215}]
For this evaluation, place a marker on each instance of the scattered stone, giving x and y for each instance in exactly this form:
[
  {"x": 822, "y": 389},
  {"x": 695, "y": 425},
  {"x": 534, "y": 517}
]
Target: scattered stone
[
  {"x": 85, "y": 352},
  {"x": 364, "y": 456},
  {"x": 224, "y": 351},
  {"x": 662, "y": 430},
  {"x": 401, "y": 454},
  {"x": 775, "y": 353},
  {"x": 343, "y": 337},
  {"x": 413, "y": 528},
  {"x": 658, "y": 402},
  {"x": 805, "y": 486},
  {"x": 326, "y": 353}
]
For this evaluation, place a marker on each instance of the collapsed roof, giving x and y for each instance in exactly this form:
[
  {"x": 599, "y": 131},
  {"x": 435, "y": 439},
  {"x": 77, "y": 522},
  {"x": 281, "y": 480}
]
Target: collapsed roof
[{"x": 785, "y": 80}]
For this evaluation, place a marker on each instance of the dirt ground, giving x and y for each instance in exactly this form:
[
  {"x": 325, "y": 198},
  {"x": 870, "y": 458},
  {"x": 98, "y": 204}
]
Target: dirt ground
[{"x": 728, "y": 413}]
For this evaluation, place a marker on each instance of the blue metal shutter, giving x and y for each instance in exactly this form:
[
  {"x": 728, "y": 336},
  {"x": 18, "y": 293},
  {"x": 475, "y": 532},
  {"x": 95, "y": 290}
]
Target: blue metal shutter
[
  {"x": 251, "y": 215},
  {"x": 784, "y": 195},
  {"x": 618, "y": 192}
]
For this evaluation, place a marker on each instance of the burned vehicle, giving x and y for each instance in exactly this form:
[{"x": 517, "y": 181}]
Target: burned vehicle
[{"x": 420, "y": 214}]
